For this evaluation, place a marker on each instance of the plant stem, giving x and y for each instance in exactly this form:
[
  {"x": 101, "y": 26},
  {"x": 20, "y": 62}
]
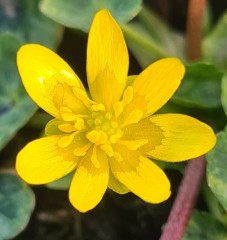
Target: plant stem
[
  {"x": 190, "y": 185},
  {"x": 142, "y": 41},
  {"x": 196, "y": 10},
  {"x": 185, "y": 200}
]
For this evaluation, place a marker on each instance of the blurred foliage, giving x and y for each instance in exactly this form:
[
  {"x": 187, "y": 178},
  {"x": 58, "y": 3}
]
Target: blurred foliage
[
  {"x": 16, "y": 108},
  {"x": 79, "y": 14},
  {"x": 215, "y": 44},
  {"x": 204, "y": 226},
  {"x": 200, "y": 87},
  {"x": 216, "y": 169},
  {"x": 16, "y": 205},
  {"x": 203, "y": 94},
  {"x": 20, "y": 22},
  {"x": 27, "y": 23}
]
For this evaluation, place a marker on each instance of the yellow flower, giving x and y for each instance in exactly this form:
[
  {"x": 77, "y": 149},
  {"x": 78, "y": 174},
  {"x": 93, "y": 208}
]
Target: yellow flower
[{"x": 108, "y": 138}]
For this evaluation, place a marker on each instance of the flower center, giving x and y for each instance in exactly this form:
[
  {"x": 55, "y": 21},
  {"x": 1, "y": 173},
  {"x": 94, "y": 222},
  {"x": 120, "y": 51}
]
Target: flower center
[{"x": 102, "y": 128}]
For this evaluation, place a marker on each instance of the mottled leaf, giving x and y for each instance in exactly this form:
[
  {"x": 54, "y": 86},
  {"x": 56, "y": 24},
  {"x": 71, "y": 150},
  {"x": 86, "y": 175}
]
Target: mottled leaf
[
  {"x": 16, "y": 108},
  {"x": 16, "y": 205},
  {"x": 201, "y": 87},
  {"x": 217, "y": 168},
  {"x": 23, "y": 18},
  {"x": 78, "y": 14}
]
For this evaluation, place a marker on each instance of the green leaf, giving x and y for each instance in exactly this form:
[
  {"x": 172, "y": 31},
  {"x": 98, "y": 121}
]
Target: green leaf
[
  {"x": 203, "y": 226},
  {"x": 172, "y": 42},
  {"x": 23, "y": 18},
  {"x": 214, "y": 46},
  {"x": 16, "y": 205},
  {"x": 216, "y": 168},
  {"x": 201, "y": 87},
  {"x": 78, "y": 14},
  {"x": 149, "y": 38},
  {"x": 61, "y": 184},
  {"x": 16, "y": 108},
  {"x": 141, "y": 44}
]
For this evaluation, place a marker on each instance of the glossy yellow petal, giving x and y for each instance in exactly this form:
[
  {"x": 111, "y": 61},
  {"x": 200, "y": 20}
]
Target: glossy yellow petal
[
  {"x": 153, "y": 88},
  {"x": 49, "y": 80},
  {"x": 107, "y": 59},
  {"x": 171, "y": 137},
  {"x": 116, "y": 186},
  {"x": 42, "y": 161},
  {"x": 140, "y": 175},
  {"x": 90, "y": 180},
  {"x": 184, "y": 137}
]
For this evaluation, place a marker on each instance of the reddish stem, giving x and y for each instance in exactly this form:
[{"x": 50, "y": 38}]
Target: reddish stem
[
  {"x": 185, "y": 200},
  {"x": 194, "y": 28},
  {"x": 8, "y": 8},
  {"x": 190, "y": 185}
]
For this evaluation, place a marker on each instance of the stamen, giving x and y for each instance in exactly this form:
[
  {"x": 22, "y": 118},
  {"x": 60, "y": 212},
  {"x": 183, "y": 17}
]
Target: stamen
[
  {"x": 90, "y": 122},
  {"x": 118, "y": 109},
  {"x": 65, "y": 141},
  {"x": 94, "y": 158},
  {"x": 81, "y": 151},
  {"x": 98, "y": 120},
  {"x": 98, "y": 107},
  {"x": 107, "y": 149},
  {"x": 97, "y": 137},
  {"x": 66, "y": 127},
  {"x": 108, "y": 116},
  {"x": 79, "y": 124},
  {"x": 67, "y": 114}
]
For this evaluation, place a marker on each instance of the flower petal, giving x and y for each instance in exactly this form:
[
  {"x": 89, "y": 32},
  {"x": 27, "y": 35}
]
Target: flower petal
[
  {"x": 90, "y": 180},
  {"x": 140, "y": 175},
  {"x": 152, "y": 88},
  {"x": 48, "y": 79},
  {"x": 172, "y": 137},
  {"x": 184, "y": 137},
  {"x": 107, "y": 59},
  {"x": 116, "y": 186},
  {"x": 42, "y": 161}
]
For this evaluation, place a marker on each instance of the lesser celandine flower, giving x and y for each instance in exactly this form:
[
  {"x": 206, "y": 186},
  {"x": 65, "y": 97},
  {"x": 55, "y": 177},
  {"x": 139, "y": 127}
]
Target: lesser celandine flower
[{"x": 109, "y": 138}]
